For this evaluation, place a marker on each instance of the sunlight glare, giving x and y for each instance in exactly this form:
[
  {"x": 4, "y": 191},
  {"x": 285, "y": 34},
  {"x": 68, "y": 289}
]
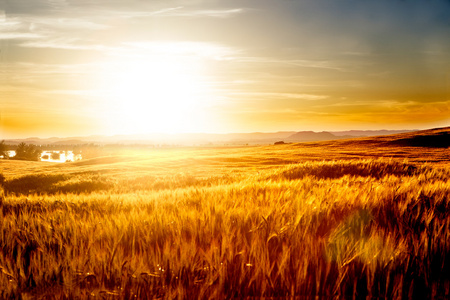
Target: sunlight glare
[{"x": 163, "y": 94}]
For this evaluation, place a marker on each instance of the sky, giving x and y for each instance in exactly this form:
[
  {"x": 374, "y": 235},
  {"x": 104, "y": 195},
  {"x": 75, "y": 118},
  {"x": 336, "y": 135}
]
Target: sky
[{"x": 87, "y": 67}]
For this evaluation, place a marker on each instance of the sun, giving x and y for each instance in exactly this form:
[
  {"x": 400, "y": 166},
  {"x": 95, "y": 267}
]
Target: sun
[{"x": 163, "y": 94}]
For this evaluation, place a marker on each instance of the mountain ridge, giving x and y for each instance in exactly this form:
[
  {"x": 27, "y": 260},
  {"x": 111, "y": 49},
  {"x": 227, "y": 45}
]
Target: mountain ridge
[{"x": 252, "y": 138}]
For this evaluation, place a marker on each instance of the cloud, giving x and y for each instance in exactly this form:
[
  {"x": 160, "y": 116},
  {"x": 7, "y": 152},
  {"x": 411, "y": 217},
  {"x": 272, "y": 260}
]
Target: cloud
[
  {"x": 25, "y": 6},
  {"x": 11, "y": 29},
  {"x": 48, "y": 32},
  {"x": 54, "y": 23},
  {"x": 68, "y": 23},
  {"x": 201, "y": 49},
  {"x": 166, "y": 10},
  {"x": 130, "y": 14},
  {"x": 83, "y": 93},
  {"x": 300, "y": 96},
  {"x": 65, "y": 43},
  {"x": 18, "y": 35},
  {"x": 312, "y": 63},
  {"x": 138, "y": 49},
  {"x": 178, "y": 11},
  {"x": 217, "y": 13}
]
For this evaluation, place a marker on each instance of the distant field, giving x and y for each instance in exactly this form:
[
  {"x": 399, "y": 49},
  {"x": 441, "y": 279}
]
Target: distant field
[{"x": 351, "y": 218}]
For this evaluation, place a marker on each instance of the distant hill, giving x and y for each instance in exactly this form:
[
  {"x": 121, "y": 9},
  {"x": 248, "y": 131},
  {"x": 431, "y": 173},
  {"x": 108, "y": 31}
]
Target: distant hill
[
  {"x": 254, "y": 138},
  {"x": 362, "y": 133},
  {"x": 430, "y": 138},
  {"x": 433, "y": 138},
  {"x": 311, "y": 136},
  {"x": 68, "y": 142}
]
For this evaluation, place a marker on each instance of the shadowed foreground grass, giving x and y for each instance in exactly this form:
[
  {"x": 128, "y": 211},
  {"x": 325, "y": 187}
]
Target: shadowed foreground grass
[{"x": 332, "y": 229}]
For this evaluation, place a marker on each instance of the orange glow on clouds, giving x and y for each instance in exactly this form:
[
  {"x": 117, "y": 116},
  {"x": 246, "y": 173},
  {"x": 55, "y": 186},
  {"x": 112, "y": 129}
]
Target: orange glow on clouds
[{"x": 108, "y": 68}]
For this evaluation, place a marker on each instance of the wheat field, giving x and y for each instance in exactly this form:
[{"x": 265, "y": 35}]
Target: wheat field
[{"x": 315, "y": 220}]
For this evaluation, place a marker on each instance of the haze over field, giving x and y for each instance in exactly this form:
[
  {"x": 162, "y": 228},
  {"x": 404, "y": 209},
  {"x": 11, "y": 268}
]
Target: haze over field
[{"x": 78, "y": 68}]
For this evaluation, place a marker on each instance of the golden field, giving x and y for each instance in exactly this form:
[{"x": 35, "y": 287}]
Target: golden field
[{"x": 356, "y": 218}]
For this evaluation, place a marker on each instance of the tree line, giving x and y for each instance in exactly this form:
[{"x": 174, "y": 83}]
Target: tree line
[
  {"x": 23, "y": 152},
  {"x": 32, "y": 152}
]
